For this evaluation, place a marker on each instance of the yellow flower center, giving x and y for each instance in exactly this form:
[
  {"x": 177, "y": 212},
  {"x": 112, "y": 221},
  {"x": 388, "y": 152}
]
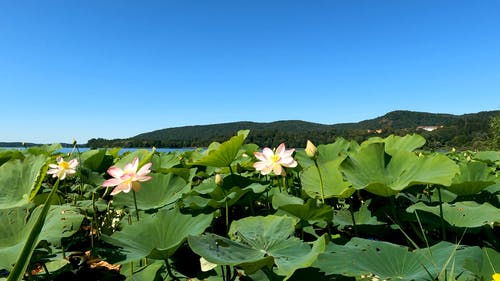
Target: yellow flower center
[
  {"x": 275, "y": 158},
  {"x": 64, "y": 165}
]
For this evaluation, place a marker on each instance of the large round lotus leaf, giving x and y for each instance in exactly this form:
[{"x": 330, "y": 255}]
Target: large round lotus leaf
[
  {"x": 159, "y": 191},
  {"x": 12, "y": 235},
  {"x": 157, "y": 236},
  {"x": 258, "y": 241},
  {"x": 325, "y": 180},
  {"x": 93, "y": 159},
  {"x": 143, "y": 155},
  {"x": 373, "y": 169},
  {"x": 61, "y": 221},
  {"x": 283, "y": 198},
  {"x": 332, "y": 151},
  {"x": 46, "y": 149},
  {"x": 488, "y": 156},
  {"x": 326, "y": 153},
  {"x": 165, "y": 161},
  {"x": 394, "y": 143},
  {"x": 223, "y": 251},
  {"x": 491, "y": 263},
  {"x": 407, "y": 143},
  {"x": 473, "y": 177},
  {"x": 18, "y": 178},
  {"x": 224, "y": 154},
  {"x": 8, "y": 154},
  {"x": 383, "y": 260},
  {"x": 463, "y": 214}
]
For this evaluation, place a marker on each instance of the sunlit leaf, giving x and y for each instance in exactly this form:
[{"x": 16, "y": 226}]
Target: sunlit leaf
[
  {"x": 383, "y": 260},
  {"x": 161, "y": 190},
  {"x": 224, "y": 154},
  {"x": 6, "y": 155},
  {"x": 373, "y": 169},
  {"x": 488, "y": 156},
  {"x": 159, "y": 235},
  {"x": 18, "y": 178},
  {"x": 473, "y": 177},
  {"x": 463, "y": 214},
  {"x": 93, "y": 159},
  {"x": 46, "y": 149},
  {"x": 61, "y": 221},
  {"x": 257, "y": 242},
  {"x": 165, "y": 161},
  {"x": 325, "y": 180}
]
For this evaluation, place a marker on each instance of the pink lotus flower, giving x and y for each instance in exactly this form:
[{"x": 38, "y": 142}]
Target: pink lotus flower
[
  {"x": 128, "y": 178},
  {"x": 62, "y": 168},
  {"x": 274, "y": 160}
]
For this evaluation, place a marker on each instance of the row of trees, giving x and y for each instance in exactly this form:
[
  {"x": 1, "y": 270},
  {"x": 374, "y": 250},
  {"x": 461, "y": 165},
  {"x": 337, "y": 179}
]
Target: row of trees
[{"x": 466, "y": 133}]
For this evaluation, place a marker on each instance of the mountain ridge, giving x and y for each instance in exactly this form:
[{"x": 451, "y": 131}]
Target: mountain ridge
[{"x": 465, "y": 127}]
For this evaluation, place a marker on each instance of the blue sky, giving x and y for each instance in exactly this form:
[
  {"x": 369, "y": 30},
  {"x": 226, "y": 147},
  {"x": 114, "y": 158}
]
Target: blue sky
[{"x": 98, "y": 68}]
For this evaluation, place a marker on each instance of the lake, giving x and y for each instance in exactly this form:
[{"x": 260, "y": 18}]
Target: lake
[{"x": 123, "y": 150}]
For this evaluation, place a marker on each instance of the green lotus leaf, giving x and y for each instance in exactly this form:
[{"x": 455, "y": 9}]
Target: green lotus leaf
[
  {"x": 150, "y": 272},
  {"x": 326, "y": 152},
  {"x": 491, "y": 261},
  {"x": 394, "y": 143},
  {"x": 310, "y": 211},
  {"x": 445, "y": 196},
  {"x": 223, "y": 251},
  {"x": 301, "y": 157},
  {"x": 13, "y": 234},
  {"x": 161, "y": 190},
  {"x": 361, "y": 217},
  {"x": 282, "y": 199},
  {"x": 6, "y": 155},
  {"x": 325, "y": 180},
  {"x": 143, "y": 155},
  {"x": 46, "y": 149},
  {"x": 373, "y": 169},
  {"x": 165, "y": 161},
  {"x": 224, "y": 154},
  {"x": 473, "y": 177},
  {"x": 18, "y": 178},
  {"x": 93, "y": 159},
  {"x": 209, "y": 194},
  {"x": 463, "y": 214},
  {"x": 257, "y": 242},
  {"x": 488, "y": 156},
  {"x": 383, "y": 260},
  {"x": 159, "y": 235},
  {"x": 332, "y": 151},
  {"x": 61, "y": 221}
]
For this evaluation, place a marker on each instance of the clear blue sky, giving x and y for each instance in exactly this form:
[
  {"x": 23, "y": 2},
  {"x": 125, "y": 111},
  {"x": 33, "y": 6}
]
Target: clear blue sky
[{"x": 113, "y": 69}]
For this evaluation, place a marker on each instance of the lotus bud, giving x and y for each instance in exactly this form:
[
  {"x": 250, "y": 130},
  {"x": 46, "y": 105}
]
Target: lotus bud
[
  {"x": 311, "y": 149},
  {"x": 218, "y": 180},
  {"x": 74, "y": 142}
]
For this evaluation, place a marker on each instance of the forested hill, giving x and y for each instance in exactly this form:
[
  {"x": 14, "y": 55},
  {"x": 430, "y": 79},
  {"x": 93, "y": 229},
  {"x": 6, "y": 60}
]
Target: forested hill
[{"x": 466, "y": 130}]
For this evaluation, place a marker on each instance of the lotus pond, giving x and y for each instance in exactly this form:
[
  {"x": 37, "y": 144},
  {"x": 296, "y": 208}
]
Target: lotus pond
[{"x": 382, "y": 209}]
